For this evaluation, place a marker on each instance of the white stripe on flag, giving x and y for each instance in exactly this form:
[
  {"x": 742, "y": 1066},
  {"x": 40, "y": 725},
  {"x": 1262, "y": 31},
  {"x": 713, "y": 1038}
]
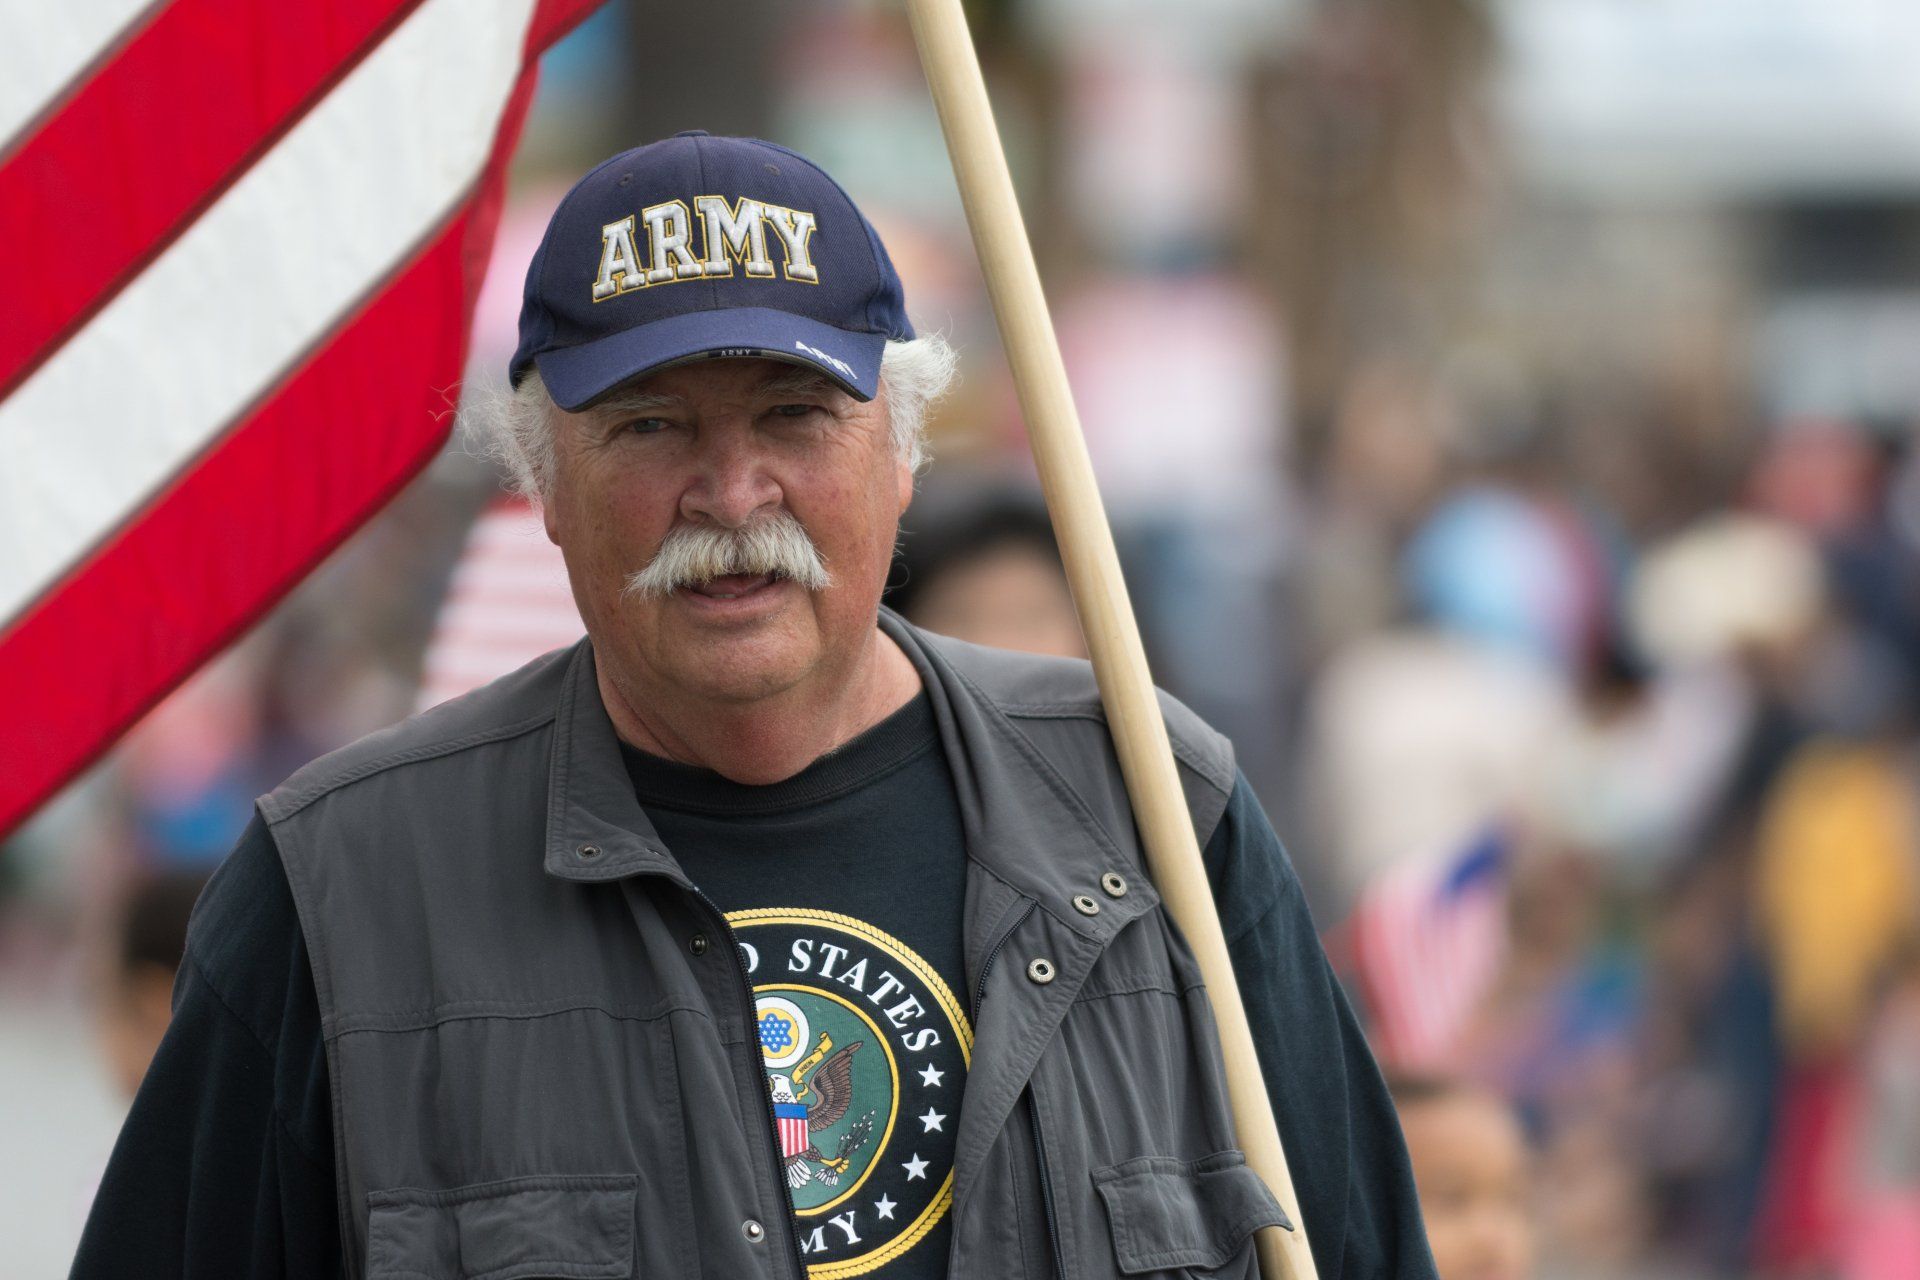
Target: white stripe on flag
[
  {"x": 252, "y": 285},
  {"x": 495, "y": 623},
  {"x": 510, "y": 579},
  {"x": 48, "y": 45}
]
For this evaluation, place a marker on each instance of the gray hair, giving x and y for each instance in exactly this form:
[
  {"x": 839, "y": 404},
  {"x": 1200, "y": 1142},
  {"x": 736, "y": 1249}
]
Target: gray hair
[{"x": 516, "y": 427}]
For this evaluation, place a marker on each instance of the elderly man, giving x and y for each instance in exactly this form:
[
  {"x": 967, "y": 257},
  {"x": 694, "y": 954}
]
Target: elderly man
[{"x": 760, "y": 933}]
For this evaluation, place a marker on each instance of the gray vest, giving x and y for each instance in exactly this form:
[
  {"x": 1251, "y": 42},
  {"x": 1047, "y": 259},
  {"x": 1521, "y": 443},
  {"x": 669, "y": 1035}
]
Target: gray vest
[{"x": 542, "y": 1054}]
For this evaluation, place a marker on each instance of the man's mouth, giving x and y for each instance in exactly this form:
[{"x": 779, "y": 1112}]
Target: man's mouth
[{"x": 733, "y": 585}]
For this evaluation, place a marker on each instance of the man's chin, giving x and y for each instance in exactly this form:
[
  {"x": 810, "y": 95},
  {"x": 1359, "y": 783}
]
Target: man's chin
[
  {"x": 741, "y": 683},
  {"x": 737, "y": 650}
]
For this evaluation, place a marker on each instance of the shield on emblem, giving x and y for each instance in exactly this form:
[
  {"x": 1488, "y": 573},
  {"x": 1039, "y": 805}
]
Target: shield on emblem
[{"x": 791, "y": 1119}]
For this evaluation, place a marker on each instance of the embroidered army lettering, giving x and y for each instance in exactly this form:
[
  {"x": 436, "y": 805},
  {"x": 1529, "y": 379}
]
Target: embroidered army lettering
[
  {"x": 669, "y": 230},
  {"x": 729, "y": 232},
  {"x": 734, "y": 234},
  {"x": 619, "y": 261}
]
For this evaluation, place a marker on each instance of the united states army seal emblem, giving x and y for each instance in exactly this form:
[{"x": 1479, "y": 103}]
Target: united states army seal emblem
[{"x": 866, "y": 1050}]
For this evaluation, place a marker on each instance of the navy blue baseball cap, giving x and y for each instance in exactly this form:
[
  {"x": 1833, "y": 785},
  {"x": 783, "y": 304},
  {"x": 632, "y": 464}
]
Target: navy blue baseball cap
[{"x": 697, "y": 247}]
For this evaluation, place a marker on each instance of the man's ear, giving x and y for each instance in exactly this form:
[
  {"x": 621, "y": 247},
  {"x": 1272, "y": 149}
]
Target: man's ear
[
  {"x": 548, "y": 519},
  {"x": 903, "y": 475}
]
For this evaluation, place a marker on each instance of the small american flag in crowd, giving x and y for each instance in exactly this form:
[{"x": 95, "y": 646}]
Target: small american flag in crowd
[
  {"x": 241, "y": 241},
  {"x": 508, "y": 603},
  {"x": 1427, "y": 940}
]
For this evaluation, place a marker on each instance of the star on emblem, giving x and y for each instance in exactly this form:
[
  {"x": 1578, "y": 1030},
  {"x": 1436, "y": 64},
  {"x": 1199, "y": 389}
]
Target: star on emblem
[
  {"x": 884, "y": 1207},
  {"x": 932, "y": 1120},
  {"x": 916, "y": 1167},
  {"x": 931, "y": 1076}
]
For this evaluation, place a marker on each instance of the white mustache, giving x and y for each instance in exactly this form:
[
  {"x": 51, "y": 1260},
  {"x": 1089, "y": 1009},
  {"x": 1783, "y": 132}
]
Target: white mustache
[{"x": 694, "y": 554}]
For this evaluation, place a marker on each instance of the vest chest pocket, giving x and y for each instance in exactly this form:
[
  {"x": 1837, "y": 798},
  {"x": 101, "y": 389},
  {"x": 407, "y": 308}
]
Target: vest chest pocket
[
  {"x": 1182, "y": 1217},
  {"x": 553, "y": 1227}
]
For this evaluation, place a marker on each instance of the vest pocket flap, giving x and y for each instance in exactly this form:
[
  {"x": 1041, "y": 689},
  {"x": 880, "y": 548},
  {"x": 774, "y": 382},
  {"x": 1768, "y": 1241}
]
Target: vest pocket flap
[
  {"x": 1184, "y": 1213},
  {"x": 553, "y": 1227}
]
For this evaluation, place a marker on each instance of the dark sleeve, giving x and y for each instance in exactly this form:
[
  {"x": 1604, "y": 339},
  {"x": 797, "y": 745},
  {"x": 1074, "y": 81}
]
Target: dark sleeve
[
  {"x": 1337, "y": 1124},
  {"x": 224, "y": 1167}
]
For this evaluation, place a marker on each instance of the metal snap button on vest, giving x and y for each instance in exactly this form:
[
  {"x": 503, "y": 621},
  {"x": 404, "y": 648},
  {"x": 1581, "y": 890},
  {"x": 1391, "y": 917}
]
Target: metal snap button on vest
[
  {"x": 697, "y": 944},
  {"x": 1041, "y": 971},
  {"x": 589, "y": 850},
  {"x": 1085, "y": 906},
  {"x": 753, "y": 1231},
  {"x": 1114, "y": 884}
]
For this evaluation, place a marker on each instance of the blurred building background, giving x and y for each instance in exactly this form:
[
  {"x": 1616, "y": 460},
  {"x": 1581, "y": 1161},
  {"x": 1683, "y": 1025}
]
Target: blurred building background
[{"x": 1507, "y": 412}]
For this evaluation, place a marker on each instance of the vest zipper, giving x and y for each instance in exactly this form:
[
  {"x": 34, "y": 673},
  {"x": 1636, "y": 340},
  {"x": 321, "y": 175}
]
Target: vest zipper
[
  {"x": 1033, "y": 1118},
  {"x": 766, "y": 1094},
  {"x": 1046, "y": 1188},
  {"x": 993, "y": 953}
]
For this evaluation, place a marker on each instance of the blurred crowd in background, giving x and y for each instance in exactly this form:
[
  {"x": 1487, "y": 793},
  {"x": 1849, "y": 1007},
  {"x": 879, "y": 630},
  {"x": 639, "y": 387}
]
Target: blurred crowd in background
[{"x": 1507, "y": 412}]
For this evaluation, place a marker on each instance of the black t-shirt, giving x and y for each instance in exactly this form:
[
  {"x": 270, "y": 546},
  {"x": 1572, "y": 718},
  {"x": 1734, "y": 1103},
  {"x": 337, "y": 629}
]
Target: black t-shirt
[
  {"x": 844, "y": 886},
  {"x": 224, "y": 1169}
]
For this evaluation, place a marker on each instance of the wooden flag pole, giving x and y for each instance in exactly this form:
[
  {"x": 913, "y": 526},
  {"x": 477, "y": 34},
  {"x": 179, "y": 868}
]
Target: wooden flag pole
[{"x": 1099, "y": 593}]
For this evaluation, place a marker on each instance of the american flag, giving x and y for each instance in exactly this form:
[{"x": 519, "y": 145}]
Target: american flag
[
  {"x": 508, "y": 603},
  {"x": 1428, "y": 938},
  {"x": 241, "y": 241}
]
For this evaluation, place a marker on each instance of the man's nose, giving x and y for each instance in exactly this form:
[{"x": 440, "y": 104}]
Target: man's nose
[{"x": 731, "y": 482}]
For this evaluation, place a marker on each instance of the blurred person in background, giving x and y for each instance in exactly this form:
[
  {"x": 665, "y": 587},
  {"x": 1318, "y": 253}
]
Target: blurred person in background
[
  {"x": 987, "y": 570},
  {"x": 1783, "y": 921},
  {"x": 150, "y": 943},
  {"x": 1463, "y": 709},
  {"x": 1880, "y": 1239},
  {"x": 1474, "y": 1174}
]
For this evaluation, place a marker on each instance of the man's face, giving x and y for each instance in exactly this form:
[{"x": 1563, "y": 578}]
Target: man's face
[{"x": 725, "y": 444}]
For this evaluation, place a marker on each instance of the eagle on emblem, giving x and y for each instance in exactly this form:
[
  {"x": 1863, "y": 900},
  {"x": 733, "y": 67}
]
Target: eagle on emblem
[{"x": 830, "y": 1088}]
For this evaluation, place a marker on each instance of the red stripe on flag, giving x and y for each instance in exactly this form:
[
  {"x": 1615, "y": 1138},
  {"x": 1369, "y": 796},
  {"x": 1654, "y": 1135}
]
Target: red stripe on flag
[
  {"x": 203, "y": 561},
  {"x": 151, "y": 140},
  {"x": 64, "y": 93},
  {"x": 553, "y": 19}
]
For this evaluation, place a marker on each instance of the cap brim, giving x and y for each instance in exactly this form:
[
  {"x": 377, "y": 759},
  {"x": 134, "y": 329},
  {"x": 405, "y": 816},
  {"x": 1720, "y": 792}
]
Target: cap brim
[{"x": 577, "y": 376}]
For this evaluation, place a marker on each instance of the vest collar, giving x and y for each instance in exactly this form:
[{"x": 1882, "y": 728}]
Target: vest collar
[
  {"x": 1023, "y": 823},
  {"x": 596, "y": 829}
]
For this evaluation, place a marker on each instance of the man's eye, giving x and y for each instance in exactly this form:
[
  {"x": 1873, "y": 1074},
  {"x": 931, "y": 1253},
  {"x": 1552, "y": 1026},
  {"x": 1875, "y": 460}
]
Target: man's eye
[
  {"x": 646, "y": 426},
  {"x": 795, "y": 410}
]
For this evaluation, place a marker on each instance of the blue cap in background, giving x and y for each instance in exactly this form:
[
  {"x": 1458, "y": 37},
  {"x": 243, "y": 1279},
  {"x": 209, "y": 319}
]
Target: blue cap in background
[{"x": 698, "y": 247}]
